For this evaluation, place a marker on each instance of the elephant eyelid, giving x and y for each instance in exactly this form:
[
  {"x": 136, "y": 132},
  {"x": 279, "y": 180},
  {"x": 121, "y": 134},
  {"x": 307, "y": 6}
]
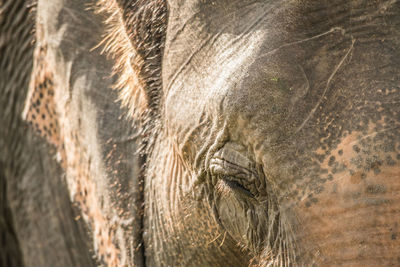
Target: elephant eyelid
[
  {"x": 220, "y": 166},
  {"x": 237, "y": 186},
  {"x": 238, "y": 178}
]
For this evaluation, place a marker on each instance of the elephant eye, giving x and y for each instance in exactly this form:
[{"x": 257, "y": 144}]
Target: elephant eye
[
  {"x": 229, "y": 177},
  {"x": 236, "y": 186}
]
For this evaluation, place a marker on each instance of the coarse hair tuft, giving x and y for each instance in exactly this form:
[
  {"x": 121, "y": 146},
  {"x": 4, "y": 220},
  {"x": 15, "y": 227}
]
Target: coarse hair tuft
[{"x": 134, "y": 39}]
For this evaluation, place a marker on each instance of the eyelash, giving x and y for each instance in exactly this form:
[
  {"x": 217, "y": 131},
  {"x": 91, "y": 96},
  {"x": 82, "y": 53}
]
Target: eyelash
[
  {"x": 235, "y": 185},
  {"x": 230, "y": 178},
  {"x": 224, "y": 181}
]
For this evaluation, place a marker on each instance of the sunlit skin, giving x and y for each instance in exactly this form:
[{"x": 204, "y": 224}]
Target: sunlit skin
[
  {"x": 270, "y": 132},
  {"x": 303, "y": 98}
]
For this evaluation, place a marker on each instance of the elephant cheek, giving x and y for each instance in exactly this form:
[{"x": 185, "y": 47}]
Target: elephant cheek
[
  {"x": 233, "y": 215},
  {"x": 243, "y": 220},
  {"x": 356, "y": 223}
]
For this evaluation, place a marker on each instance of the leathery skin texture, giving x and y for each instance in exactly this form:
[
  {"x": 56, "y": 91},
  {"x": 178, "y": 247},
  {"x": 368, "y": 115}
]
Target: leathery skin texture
[
  {"x": 283, "y": 119},
  {"x": 269, "y": 129}
]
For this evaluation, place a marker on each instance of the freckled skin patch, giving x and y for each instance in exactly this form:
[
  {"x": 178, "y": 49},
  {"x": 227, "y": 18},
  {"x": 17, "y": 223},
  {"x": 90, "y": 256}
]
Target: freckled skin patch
[
  {"x": 58, "y": 128},
  {"x": 331, "y": 149},
  {"x": 40, "y": 108}
]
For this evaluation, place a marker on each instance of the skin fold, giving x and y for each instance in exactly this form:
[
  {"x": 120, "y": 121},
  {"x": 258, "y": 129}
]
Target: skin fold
[
  {"x": 261, "y": 133},
  {"x": 302, "y": 98},
  {"x": 38, "y": 222}
]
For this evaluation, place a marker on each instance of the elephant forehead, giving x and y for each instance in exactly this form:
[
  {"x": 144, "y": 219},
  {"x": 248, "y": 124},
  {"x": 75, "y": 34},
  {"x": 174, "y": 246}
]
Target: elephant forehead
[
  {"x": 201, "y": 87},
  {"x": 291, "y": 97},
  {"x": 271, "y": 87}
]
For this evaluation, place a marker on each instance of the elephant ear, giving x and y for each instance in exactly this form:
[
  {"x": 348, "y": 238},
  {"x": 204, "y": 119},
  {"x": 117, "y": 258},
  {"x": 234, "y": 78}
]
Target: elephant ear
[
  {"x": 40, "y": 107},
  {"x": 135, "y": 38}
]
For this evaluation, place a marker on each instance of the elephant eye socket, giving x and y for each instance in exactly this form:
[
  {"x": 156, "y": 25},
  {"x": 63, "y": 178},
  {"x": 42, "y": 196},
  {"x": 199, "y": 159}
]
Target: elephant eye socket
[{"x": 229, "y": 177}]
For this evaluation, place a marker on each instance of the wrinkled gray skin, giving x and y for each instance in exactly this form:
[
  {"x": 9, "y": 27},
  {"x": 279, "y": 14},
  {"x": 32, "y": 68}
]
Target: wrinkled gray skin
[
  {"x": 37, "y": 219},
  {"x": 281, "y": 129},
  {"x": 39, "y": 225},
  {"x": 279, "y": 141}
]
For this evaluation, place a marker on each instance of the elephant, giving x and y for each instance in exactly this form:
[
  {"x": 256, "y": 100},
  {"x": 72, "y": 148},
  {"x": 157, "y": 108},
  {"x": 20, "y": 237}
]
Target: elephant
[
  {"x": 39, "y": 224},
  {"x": 250, "y": 133},
  {"x": 37, "y": 219}
]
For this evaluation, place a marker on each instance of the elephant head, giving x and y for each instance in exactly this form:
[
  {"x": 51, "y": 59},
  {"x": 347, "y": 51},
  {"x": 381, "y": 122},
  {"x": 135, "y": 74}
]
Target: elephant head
[
  {"x": 270, "y": 129},
  {"x": 279, "y": 135}
]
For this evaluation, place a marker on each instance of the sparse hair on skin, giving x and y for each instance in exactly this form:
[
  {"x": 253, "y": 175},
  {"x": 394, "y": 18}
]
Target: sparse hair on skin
[{"x": 134, "y": 39}]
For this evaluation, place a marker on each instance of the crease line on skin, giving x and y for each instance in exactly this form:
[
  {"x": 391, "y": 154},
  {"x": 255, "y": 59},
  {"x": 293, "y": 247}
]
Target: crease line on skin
[
  {"x": 384, "y": 102},
  {"x": 258, "y": 20},
  {"x": 211, "y": 145},
  {"x": 304, "y": 40},
  {"x": 180, "y": 29},
  {"x": 305, "y": 90},
  {"x": 211, "y": 39},
  {"x": 234, "y": 164},
  {"x": 374, "y": 133},
  {"x": 307, "y": 80},
  {"x": 326, "y": 87},
  {"x": 292, "y": 242},
  {"x": 191, "y": 132}
]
